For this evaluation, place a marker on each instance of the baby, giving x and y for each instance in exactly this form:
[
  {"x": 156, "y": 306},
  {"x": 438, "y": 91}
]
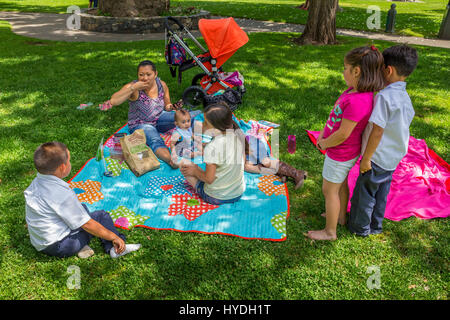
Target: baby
[{"x": 183, "y": 144}]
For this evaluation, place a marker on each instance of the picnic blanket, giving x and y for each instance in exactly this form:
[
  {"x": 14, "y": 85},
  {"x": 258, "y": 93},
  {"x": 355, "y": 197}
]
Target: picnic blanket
[
  {"x": 162, "y": 199},
  {"x": 420, "y": 185}
]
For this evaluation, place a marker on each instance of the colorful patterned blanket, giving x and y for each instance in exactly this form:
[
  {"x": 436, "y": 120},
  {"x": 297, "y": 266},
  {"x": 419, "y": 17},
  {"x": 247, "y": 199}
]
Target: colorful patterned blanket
[{"x": 162, "y": 199}]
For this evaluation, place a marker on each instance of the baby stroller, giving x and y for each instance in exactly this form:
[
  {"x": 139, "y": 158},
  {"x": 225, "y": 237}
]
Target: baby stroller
[{"x": 223, "y": 38}]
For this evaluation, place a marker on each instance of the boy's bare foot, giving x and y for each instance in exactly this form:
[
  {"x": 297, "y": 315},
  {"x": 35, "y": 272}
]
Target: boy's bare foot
[
  {"x": 341, "y": 222},
  {"x": 321, "y": 235}
]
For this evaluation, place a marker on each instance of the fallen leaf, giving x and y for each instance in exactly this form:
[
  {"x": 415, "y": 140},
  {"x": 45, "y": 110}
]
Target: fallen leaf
[{"x": 412, "y": 286}]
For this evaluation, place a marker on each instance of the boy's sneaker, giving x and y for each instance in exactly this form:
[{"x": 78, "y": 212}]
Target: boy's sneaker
[
  {"x": 85, "y": 252},
  {"x": 128, "y": 248}
]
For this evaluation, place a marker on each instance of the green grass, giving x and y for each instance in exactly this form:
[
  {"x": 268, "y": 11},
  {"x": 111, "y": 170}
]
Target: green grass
[
  {"x": 41, "y": 85},
  {"x": 413, "y": 19}
]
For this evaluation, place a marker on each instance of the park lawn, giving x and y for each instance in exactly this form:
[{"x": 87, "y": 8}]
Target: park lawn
[
  {"x": 42, "y": 82},
  {"x": 421, "y": 19}
]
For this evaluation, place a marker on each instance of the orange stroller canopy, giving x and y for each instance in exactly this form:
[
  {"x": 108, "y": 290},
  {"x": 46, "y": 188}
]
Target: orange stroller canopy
[{"x": 223, "y": 37}]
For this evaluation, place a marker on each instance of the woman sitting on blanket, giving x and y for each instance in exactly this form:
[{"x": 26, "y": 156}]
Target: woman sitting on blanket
[{"x": 150, "y": 108}]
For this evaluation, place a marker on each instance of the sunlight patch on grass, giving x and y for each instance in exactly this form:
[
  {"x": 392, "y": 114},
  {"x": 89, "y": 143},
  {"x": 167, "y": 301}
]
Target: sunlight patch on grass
[{"x": 411, "y": 33}]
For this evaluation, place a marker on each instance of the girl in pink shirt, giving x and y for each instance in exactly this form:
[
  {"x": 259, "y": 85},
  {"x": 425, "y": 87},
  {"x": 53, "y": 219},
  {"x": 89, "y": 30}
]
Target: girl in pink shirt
[{"x": 341, "y": 136}]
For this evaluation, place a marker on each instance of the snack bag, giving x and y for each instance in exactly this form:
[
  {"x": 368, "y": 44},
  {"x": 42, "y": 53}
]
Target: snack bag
[{"x": 139, "y": 157}]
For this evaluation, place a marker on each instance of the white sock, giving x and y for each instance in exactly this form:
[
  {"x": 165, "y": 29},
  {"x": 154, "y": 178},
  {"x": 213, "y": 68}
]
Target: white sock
[{"x": 128, "y": 248}]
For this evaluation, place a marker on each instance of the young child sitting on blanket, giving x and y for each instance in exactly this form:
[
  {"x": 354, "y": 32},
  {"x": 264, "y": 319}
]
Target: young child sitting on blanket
[
  {"x": 57, "y": 222},
  {"x": 388, "y": 138},
  {"x": 183, "y": 143},
  {"x": 258, "y": 160},
  {"x": 341, "y": 136},
  {"x": 222, "y": 181}
]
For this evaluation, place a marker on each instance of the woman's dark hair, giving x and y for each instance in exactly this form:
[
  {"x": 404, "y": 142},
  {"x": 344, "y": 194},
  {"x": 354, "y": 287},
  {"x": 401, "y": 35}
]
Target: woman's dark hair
[
  {"x": 146, "y": 63},
  {"x": 370, "y": 61},
  {"x": 219, "y": 115},
  {"x": 402, "y": 57}
]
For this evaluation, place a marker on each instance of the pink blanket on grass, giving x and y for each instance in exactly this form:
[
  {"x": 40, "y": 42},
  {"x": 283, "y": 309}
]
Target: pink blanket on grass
[{"x": 420, "y": 185}]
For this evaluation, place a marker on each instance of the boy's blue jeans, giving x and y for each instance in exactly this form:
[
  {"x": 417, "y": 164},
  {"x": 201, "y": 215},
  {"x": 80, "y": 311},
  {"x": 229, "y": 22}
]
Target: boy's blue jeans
[
  {"x": 77, "y": 239},
  {"x": 368, "y": 203},
  {"x": 165, "y": 122}
]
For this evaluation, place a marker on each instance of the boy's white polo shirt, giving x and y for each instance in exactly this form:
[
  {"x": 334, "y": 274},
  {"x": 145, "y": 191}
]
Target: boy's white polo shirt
[
  {"x": 392, "y": 111},
  {"x": 52, "y": 210}
]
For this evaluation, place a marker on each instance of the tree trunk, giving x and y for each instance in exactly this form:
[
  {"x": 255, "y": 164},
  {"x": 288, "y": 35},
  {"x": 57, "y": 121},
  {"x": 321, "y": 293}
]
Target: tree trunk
[
  {"x": 134, "y": 8},
  {"x": 321, "y": 25}
]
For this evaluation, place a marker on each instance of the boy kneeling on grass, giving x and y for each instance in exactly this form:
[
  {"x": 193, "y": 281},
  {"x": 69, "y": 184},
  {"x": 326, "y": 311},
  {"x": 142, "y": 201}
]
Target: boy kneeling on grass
[{"x": 58, "y": 224}]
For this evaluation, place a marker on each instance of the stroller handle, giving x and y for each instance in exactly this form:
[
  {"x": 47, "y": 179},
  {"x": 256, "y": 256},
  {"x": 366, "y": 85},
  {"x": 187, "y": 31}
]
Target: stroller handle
[{"x": 180, "y": 25}]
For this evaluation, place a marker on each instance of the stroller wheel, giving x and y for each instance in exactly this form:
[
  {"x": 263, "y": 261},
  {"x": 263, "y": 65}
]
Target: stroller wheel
[
  {"x": 197, "y": 78},
  {"x": 193, "y": 97}
]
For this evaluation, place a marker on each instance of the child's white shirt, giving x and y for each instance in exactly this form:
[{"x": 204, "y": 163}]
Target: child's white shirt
[
  {"x": 393, "y": 111},
  {"x": 52, "y": 210},
  {"x": 227, "y": 152}
]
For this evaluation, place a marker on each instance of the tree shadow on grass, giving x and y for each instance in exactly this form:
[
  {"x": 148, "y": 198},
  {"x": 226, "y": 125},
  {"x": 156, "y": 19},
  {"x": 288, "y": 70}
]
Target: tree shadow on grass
[
  {"x": 295, "y": 86},
  {"x": 425, "y": 241},
  {"x": 195, "y": 266}
]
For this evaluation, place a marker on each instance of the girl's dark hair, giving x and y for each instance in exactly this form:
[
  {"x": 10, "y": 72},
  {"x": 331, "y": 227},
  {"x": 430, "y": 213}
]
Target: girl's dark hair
[
  {"x": 146, "y": 63},
  {"x": 371, "y": 62},
  {"x": 219, "y": 115}
]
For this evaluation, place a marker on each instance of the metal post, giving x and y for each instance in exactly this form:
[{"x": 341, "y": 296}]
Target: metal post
[{"x": 390, "y": 22}]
